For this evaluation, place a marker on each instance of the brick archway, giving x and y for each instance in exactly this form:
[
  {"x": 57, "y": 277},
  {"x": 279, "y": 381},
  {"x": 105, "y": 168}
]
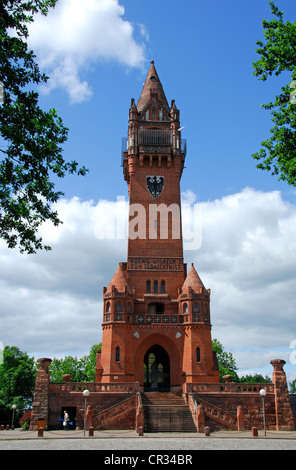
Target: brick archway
[
  {"x": 156, "y": 370},
  {"x": 174, "y": 358}
]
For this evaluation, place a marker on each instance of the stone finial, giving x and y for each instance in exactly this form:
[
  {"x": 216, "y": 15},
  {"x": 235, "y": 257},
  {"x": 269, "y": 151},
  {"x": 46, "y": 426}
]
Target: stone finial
[
  {"x": 66, "y": 377},
  {"x": 278, "y": 364},
  {"x": 227, "y": 378},
  {"x": 44, "y": 363}
]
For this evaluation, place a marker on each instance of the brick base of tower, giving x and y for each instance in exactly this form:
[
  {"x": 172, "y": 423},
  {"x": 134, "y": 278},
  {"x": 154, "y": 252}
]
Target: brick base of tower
[
  {"x": 159, "y": 342},
  {"x": 135, "y": 341}
]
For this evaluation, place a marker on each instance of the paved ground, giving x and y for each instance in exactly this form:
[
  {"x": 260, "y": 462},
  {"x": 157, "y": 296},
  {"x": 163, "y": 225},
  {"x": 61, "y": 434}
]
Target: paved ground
[{"x": 131, "y": 441}]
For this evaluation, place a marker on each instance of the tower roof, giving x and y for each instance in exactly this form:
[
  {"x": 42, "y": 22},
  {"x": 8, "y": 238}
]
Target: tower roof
[
  {"x": 192, "y": 280},
  {"x": 119, "y": 281},
  {"x": 152, "y": 85}
]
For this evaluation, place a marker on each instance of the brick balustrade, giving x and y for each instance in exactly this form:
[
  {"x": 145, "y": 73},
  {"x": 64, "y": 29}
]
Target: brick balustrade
[
  {"x": 227, "y": 388},
  {"x": 126, "y": 387}
]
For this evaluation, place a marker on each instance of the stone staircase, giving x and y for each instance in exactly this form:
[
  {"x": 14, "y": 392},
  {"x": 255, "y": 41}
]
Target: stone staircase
[
  {"x": 215, "y": 411},
  {"x": 166, "y": 412}
]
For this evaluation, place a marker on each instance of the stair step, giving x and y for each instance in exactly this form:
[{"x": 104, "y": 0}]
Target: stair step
[{"x": 166, "y": 412}]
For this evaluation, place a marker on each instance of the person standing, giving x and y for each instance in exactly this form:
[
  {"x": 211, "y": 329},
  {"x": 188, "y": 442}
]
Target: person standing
[{"x": 66, "y": 421}]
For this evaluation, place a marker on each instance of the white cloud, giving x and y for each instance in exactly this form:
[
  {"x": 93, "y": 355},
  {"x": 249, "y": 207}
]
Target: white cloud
[
  {"x": 51, "y": 303},
  {"x": 247, "y": 258},
  {"x": 77, "y": 34}
]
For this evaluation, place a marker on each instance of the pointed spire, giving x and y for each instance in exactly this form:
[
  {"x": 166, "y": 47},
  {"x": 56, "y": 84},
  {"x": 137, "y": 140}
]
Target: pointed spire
[
  {"x": 192, "y": 280},
  {"x": 152, "y": 85},
  {"x": 119, "y": 281}
]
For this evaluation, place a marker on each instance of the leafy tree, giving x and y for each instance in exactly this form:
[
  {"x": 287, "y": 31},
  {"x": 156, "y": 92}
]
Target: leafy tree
[
  {"x": 89, "y": 362},
  {"x": 227, "y": 366},
  {"x": 225, "y": 360},
  {"x": 257, "y": 378},
  {"x": 17, "y": 380},
  {"x": 67, "y": 365},
  {"x": 81, "y": 370},
  {"x": 30, "y": 147},
  {"x": 292, "y": 386},
  {"x": 278, "y": 55}
]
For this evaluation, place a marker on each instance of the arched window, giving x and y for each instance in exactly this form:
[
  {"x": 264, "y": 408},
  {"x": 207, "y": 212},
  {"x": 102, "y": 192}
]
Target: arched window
[
  {"x": 162, "y": 287},
  {"x": 117, "y": 354},
  {"x": 197, "y": 355},
  {"x": 129, "y": 307},
  {"x": 195, "y": 308},
  {"x": 108, "y": 306},
  {"x": 185, "y": 308},
  {"x": 148, "y": 287},
  {"x": 118, "y": 307},
  {"x": 155, "y": 287}
]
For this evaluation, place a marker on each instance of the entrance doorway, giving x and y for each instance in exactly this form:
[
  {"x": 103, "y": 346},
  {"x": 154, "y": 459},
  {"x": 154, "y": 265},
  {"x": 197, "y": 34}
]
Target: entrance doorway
[{"x": 156, "y": 370}]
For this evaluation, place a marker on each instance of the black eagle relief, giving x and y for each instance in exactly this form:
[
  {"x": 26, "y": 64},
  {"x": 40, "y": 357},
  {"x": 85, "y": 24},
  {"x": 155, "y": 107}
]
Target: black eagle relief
[{"x": 155, "y": 185}]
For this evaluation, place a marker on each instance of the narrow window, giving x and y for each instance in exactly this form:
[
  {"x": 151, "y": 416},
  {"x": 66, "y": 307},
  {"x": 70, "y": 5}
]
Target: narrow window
[
  {"x": 117, "y": 354},
  {"x": 197, "y": 355},
  {"x": 185, "y": 308},
  {"x": 118, "y": 307},
  {"x": 155, "y": 287},
  {"x": 148, "y": 287},
  {"x": 162, "y": 287}
]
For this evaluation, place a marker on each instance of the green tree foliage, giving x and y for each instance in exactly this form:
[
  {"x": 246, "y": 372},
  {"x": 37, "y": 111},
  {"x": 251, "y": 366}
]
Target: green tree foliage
[
  {"x": 226, "y": 361},
  {"x": 277, "y": 56},
  {"x": 89, "y": 362},
  {"x": 67, "y": 365},
  {"x": 292, "y": 386},
  {"x": 257, "y": 378},
  {"x": 17, "y": 380},
  {"x": 18, "y": 376},
  {"x": 31, "y": 139},
  {"x": 81, "y": 369},
  {"x": 227, "y": 366}
]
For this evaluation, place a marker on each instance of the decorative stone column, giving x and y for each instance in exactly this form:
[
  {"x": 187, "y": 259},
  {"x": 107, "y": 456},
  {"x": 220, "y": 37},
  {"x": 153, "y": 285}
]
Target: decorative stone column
[
  {"x": 40, "y": 402},
  {"x": 283, "y": 409}
]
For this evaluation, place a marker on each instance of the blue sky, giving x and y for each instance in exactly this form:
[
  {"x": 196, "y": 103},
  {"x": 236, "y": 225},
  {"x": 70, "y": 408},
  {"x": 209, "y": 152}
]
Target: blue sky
[
  {"x": 98, "y": 59},
  {"x": 203, "y": 52}
]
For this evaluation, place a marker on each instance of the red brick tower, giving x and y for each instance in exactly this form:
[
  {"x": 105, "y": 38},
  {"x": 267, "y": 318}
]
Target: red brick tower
[{"x": 156, "y": 324}]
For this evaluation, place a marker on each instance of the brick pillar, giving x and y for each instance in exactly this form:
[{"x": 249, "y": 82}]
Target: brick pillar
[
  {"x": 240, "y": 419},
  {"x": 200, "y": 419},
  {"x": 89, "y": 417},
  {"x": 139, "y": 413},
  {"x": 283, "y": 410},
  {"x": 40, "y": 402}
]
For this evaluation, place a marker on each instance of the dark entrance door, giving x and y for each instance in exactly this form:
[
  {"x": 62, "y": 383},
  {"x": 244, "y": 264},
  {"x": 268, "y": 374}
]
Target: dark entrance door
[{"x": 156, "y": 370}]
